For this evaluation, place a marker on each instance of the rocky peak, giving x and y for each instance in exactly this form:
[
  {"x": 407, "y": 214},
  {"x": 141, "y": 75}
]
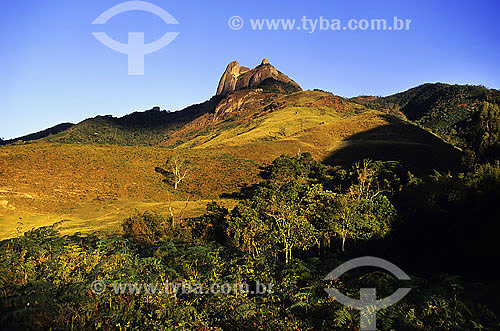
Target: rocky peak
[
  {"x": 238, "y": 78},
  {"x": 228, "y": 80}
]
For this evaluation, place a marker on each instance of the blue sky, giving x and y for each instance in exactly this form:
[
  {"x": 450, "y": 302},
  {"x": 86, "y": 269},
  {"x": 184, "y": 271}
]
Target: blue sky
[{"x": 53, "y": 70}]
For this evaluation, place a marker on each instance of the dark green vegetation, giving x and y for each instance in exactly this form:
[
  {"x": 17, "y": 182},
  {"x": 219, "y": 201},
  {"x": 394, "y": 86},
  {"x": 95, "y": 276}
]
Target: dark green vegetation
[
  {"x": 300, "y": 222},
  {"x": 450, "y": 111},
  {"x": 139, "y": 128},
  {"x": 39, "y": 135},
  {"x": 275, "y": 86}
]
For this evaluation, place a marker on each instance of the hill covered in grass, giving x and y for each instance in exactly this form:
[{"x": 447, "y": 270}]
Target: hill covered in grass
[{"x": 108, "y": 161}]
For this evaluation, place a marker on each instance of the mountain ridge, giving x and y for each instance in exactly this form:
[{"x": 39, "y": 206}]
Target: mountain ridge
[
  {"x": 445, "y": 109},
  {"x": 247, "y": 99},
  {"x": 40, "y": 134},
  {"x": 226, "y": 139}
]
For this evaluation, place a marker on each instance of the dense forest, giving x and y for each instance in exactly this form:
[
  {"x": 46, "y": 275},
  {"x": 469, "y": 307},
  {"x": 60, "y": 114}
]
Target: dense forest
[{"x": 290, "y": 230}]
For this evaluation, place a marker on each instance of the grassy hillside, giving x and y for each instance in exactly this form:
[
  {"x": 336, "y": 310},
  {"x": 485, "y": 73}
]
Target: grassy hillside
[
  {"x": 46, "y": 181},
  {"x": 97, "y": 186},
  {"x": 100, "y": 170},
  {"x": 264, "y": 117}
]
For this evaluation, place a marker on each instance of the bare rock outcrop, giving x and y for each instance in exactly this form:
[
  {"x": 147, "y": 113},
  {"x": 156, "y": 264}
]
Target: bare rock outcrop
[
  {"x": 228, "y": 80},
  {"x": 237, "y": 78}
]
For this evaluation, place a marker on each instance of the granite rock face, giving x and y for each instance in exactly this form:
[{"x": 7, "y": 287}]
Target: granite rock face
[
  {"x": 237, "y": 78},
  {"x": 228, "y": 80}
]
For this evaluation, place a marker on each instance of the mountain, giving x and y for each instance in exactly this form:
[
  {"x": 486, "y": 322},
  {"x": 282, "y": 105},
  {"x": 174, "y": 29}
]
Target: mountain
[
  {"x": 246, "y": 103},
  {"x": 237, "y": 78},
  {"x": 447, "y": 110},
  {"x": 262, "y": 107},
  {"x": 102, "y": 168}
]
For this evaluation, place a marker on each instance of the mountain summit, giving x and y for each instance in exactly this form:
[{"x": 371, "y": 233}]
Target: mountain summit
[{"x": 238, "y": 78}]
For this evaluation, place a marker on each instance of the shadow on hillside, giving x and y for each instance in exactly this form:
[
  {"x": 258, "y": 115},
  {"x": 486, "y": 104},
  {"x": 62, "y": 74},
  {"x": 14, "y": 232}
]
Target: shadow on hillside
[{"x": 413, "y": 147}]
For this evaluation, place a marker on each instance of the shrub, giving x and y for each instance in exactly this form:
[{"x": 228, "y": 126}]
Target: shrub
[{"x": 147, "y": 227}]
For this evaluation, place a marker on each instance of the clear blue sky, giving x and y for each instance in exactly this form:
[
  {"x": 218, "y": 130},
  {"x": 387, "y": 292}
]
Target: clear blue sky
[{"x": 53, "y": 70}]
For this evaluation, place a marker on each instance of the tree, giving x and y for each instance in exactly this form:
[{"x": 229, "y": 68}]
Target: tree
[
  {"x": 272, "y": 218},
  {"x": 300, "y": 168},
  {"x": 291, "y": 229},
  {"x": 248, "y": 231},
  {"x": 362, "y": 219},
  {"x": 175, "y": 171},
  {"x": 212, "y": 225},
  {"x": 320, "y": 207},
  {"x": 362, "y": 212}
]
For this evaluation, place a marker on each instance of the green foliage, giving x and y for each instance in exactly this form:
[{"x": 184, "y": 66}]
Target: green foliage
[
  {"x": 270, "y": 237},
  {"x": 211, "y": 226},
  {"x": 297, "y": 213},
  {"x": 46, "y": 279},
  {"x": 290, "y": 228},
  {"x": 271, "y": 85},
  {"x": 450, "y": 111},
  {"x": 363, "y": 212},
  {"x": 485, "y": 135},
  {"x": 301, "y": 167},
  {"x": 247, "y": 230},
  {"x": 272, "y": 218}
]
